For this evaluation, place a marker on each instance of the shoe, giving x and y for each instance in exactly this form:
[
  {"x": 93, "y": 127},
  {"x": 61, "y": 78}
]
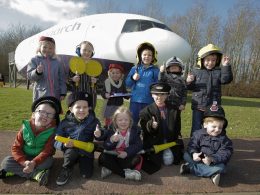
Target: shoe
[
  {"x": 215, "y": 179},
  {"x": 42, "y": 177},
  {"x": 63, "y": 177},
  {"x": 184, "y": 169},
  {"x": 4, "y": 174},
  {"x": 132, "y": 175},
  {"x": 105, "y": 172}
]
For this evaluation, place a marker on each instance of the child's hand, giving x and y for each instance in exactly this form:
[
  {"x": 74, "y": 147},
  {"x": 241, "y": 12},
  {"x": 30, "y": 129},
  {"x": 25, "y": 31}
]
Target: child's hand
[
  {"x": 136, "y": 76},
  {"x": 154, "y": 123},
  {"x": 122, "y": 154},
  {"x": 115, "y": 137},
  {"x": 107, "y": 95},
  {"x": 190, "y": 78},
  {"x": 225, "y": 60},
  {"x": 162, "y": 68},
  {"x": 76, "y": 78},
  {"x": 181, "y": 107},
  {"x": 207, "y": 160},
  {"x": 97, "y": 132},
  {"x": 39, "y": 68},
  {"x": 29, "y": 166},
  {"x": 69, "y": 144},
  {"x": 196, "y": 156}
]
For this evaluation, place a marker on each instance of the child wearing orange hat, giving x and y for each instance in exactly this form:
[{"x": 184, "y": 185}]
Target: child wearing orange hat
[{"x": 114, "y": 91}]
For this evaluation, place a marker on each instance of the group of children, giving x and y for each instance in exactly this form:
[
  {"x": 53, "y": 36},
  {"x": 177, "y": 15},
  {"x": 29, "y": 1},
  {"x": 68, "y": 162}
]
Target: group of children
[{"x": 129, "y": 136}]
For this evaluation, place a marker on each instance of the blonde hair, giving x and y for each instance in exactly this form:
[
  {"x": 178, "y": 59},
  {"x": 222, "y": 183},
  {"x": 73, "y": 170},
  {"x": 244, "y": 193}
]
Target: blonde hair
[
  {"x": 120, "y": 110},
  {"x": 213, "y": 119}
]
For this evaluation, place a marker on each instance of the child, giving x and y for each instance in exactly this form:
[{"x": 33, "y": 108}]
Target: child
[
  {"x": 79, "y": 124},
  {"x": 32, "y": 150},
  {"x": 126, "y": 142},
  {"x": 171, "y": 73},
  {"x": 205, "y": 81},
  {"x": 140, "y": 77},
  {"x": 159, "y": 128},
  {"x": 85, "y": 50},
  {"x": 113, "y": 84},
  {"x": 209, "y": 148},
  {"x": 46, "y": 71}
]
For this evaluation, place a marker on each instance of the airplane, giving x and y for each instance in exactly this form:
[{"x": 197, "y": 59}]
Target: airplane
[{"x": 115, "y": 37}]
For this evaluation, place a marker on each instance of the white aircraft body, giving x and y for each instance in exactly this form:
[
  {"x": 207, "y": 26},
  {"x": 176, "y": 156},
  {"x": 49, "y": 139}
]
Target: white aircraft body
[{"x": 115, "y": 37}]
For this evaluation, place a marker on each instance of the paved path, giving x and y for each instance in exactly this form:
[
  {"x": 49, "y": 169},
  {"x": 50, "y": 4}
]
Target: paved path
[{"x": 243, "y": 176}]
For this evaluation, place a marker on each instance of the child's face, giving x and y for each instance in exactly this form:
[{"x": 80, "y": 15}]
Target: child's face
[
  {"x": 47, "y": 48},
  {"x": 210, "y": 61},
  {"x": 214, "y": 128},
  {"x": 115, "y": 74},
  {"x": 80, "y": 109},
  {"x": 147, "y": 57},
  {"x": 86, "y": 51},
  {"x": 174, "y": 68},
  {"x": 43, "y": 115},
  {"x": 122, "y": 121},
  {"x": 159, "y": 98}
]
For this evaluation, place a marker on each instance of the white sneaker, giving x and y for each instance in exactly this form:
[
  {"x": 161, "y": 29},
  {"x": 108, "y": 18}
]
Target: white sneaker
[
  {"x": 132, "y": 175},
  {"x": 105, "y": 172},
  {"x": 215, "y": 179}
]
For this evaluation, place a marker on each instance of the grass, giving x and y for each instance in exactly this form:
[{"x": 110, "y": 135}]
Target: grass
[{"x": 242, "y": 113}]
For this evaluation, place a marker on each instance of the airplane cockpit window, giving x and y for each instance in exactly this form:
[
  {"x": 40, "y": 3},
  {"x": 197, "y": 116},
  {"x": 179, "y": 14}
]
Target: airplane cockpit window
[{"x": 142, "y": 25}]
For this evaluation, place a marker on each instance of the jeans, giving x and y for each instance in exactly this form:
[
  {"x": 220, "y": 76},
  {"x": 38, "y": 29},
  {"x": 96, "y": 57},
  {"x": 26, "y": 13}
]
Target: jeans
[
  {"x": 135, "y": 109},
  {"x": 202, "y": 170},
  {"x": 197, "y": 117}
]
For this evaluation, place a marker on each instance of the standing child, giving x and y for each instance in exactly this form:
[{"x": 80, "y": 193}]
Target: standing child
[
  {"x": 46, "y": 71},
  {"x": 140, "y": 78},
  {"x": 205, "y": 81},
  {"x": 114, "y": 84},
  {"x": 32, "y": 150},
  {"x": 159, "y": 128},
  {"x": 171, "y": 73},
  {"x": 126, "y": 142},
  {"x": 83, "y": 82},
  {"x": 78, "y": 124},
  {"x": 209, "y": 148}
]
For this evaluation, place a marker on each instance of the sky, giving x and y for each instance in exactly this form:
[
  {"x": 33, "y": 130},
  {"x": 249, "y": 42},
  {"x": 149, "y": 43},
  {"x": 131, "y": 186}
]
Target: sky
[{"x": 45, "y": 13}]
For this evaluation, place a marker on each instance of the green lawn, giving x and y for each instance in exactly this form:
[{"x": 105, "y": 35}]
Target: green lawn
[{"x": 242, "y": 113}]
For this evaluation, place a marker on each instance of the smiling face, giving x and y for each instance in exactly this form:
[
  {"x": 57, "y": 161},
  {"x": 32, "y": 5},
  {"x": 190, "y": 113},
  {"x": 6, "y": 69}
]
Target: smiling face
[
  {"x": 80, "y": 109},
  {"x": 210, "y": 61},
  {"x": 147, "y": 57},
  {"x": 43, "y": 115},
  {"x": 123, "y": 121},
  {"x": 115, "y": 74},
  {"x": 214, "y": 128},
  {"x": 47, "y": 48},
  {"x": 86, "y": 51},
  {"x": 159, "y": 98}
]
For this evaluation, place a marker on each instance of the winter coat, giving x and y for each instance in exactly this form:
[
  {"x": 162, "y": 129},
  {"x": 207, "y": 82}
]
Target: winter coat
[
  {"x": 141, "y": 89},
  {"x": 201, "y": 97},
  {"x": 51, "y": 82},
  {"x": 218, "y": 147},
  {"x": 178, "y": 93},
  {"x": 156, "y": 136},
  {"x": 78, "y": 130},
  {"x": 135, "y": 142}
]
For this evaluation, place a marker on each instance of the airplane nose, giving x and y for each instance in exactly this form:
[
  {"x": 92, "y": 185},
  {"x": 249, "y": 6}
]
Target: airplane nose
[{"x": 170, "y": 45}]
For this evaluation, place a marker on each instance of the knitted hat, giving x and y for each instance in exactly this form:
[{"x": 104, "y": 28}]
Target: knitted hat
[
  {"x": 117, "y": 66},
  {"x": 160, "y": 88},
  {"x": 50, "y": 39},
  {"x": 216, "y": 111},
  {"x": 76, "y": 96}
]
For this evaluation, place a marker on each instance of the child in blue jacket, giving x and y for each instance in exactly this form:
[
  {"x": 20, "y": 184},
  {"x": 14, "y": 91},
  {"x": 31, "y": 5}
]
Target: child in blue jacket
[
  {"x": 141, "y": 77},
  {"x": 79, "y": 124}
]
